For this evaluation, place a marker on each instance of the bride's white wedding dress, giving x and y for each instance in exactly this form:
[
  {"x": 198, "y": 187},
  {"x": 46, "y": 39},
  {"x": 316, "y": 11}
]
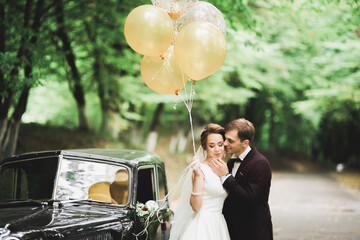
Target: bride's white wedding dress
[{"x": 208, "y": 223}]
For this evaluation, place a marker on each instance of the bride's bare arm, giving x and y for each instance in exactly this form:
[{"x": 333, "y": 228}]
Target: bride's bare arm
[
  {"x": 198, "y": 180},
  {"x": 197, "y": 190}
]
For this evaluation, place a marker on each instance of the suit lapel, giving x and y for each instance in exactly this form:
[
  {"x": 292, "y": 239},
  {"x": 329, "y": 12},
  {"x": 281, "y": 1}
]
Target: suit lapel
[{"x": 246, "y": 161}]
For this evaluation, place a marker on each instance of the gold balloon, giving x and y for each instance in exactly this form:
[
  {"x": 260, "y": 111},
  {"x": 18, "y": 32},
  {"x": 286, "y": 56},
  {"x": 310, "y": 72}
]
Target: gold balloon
[
  {"x": 163, "y": 74},
  {"x": 200, "y": 49},
  {"x": 149, "y": 30}
]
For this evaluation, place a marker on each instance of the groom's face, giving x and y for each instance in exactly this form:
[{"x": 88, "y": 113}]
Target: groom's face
[{"x": 233, "y": 143}]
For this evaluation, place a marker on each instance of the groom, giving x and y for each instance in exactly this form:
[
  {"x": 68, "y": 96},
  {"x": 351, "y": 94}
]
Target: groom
[{"x": 246, "y": 177}]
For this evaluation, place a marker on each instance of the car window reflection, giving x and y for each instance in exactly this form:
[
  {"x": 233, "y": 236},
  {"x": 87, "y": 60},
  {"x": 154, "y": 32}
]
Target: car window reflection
[{"x": 93, "y": 180}]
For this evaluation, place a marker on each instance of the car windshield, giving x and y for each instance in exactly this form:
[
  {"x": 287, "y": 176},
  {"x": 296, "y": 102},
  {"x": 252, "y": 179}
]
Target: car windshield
[
  {"x": 37, "y": 178},
  {"x": 30, "y": 179},
  {"x": 98, "y": 181}
]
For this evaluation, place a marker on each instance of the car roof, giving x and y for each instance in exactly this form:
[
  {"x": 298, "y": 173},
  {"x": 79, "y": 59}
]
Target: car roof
[{"x": 131, "y": 157}]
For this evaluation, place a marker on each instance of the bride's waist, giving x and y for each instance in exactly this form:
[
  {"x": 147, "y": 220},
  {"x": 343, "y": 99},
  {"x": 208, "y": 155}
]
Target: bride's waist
[
  {"x": 212, "y": 208},
  {"x": 211, "y": 211}
]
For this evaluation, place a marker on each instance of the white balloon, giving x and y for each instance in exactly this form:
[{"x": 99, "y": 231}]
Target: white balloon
[
  {"x": 201, "y": 11},
  {"x": 175, "y": 8}
]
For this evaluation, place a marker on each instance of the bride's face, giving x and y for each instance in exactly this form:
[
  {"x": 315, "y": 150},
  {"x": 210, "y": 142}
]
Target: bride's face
[{"x": 215, "y": 145}]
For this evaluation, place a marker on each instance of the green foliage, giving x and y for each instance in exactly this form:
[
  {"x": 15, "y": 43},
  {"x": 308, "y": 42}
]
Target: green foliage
[
  {"x": 292, "y": 68},
  {"x": 59, "y": 109}
]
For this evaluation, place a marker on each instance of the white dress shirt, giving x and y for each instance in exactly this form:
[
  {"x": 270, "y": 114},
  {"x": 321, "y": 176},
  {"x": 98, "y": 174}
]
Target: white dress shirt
[{"x": 236, "y": 164}]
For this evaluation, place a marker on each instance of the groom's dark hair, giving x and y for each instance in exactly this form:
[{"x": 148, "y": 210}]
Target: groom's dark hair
[
  {"x": 245, "y": 128},
  {"x": 209, "y": 129}
]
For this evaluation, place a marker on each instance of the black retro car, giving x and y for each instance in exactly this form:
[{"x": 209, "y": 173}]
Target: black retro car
[{"x": 83, "y": 194}]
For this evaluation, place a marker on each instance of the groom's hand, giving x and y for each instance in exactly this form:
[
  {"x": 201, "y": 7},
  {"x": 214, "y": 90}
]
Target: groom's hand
[{"x": 219, "y": 167}]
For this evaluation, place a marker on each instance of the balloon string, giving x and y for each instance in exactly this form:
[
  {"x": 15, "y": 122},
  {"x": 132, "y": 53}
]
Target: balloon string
[
  {"x": 188, "y": 101},
  {"x": 163, "y": 203},
  {"x": 163, "y": 65},
  {"x": 190, "y": 119}
]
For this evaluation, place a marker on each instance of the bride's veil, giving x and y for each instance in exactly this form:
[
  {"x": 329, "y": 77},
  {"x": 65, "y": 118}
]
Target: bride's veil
[
  {"x": 184, "y": 212},
  {"x": 201, "y": 154}
]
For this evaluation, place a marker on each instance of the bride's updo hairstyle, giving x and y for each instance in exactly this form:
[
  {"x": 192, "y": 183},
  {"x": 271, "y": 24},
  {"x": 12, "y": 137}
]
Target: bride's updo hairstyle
[{"x": 210, "y": 129}]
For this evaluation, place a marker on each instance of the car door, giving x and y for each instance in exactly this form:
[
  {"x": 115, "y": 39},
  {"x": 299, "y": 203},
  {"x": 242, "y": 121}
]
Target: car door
[
  {"x": 163, "y": 232},
  {"x": 152, "y": 186}
]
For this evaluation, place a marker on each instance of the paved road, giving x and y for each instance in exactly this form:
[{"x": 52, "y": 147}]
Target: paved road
[{"x": 309, "y": 206}]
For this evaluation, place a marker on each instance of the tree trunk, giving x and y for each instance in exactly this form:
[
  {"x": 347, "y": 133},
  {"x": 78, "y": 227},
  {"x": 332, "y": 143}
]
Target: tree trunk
[
  {"x": 153, "y": 135},
  {"x": 110, "y": 119},
  {"x": 101, "y": 88},
  {"x": 12, "y": 137},
  {"x": 3, "y": 110},
  {"x": 107, "y": 88},
  {"x": 232, "y": 112},
  {"x": 2, "y": 29},
  {"x": 178, "y": 142},
  {"x": 272, "y": 140},
  {"x": 75, "y": 83},
  {"x": 13, "y": 129},
  {"x": 255, "y": 112},
  {"x": 5, "y": 102},
  {"x": 157, "y": 117},
  {"x": 12, "y": 132}
]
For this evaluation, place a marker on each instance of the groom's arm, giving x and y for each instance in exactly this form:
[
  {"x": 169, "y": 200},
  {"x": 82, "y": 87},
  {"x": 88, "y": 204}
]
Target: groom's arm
[{"x": 258, "y": 179}]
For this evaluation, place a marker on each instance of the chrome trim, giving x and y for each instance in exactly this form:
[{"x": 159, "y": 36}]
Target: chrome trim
[
  {"x": 29, "y": 159},
  {"x": 5, "y": 233},
  {"x": 157, "y": 184},
  {"x": 55, "y": 188},
  {"x": 162, "y": 172}
]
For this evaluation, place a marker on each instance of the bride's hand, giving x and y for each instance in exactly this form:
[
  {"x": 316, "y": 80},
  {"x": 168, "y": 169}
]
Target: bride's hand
[
  {"x": 218, "y": 166},
  {"x": 195, "y": 165}
]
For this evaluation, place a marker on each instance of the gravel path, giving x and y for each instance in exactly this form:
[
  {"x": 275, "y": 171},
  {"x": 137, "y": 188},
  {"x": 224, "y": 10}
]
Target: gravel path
[
  {"x": 313, "y": 206},
  {"x": 306, "y": 201}
]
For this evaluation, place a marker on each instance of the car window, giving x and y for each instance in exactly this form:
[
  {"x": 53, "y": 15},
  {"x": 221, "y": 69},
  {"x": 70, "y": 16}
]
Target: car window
[
  {"x": 80, "y": 179},
  {"x": 145, "y": 186},
  {"x": 30, "y": 179}
]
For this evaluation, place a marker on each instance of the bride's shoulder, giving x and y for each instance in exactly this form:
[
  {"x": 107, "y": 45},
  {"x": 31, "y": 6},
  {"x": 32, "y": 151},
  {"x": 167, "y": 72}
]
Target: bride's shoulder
[{"x": 205, "y": 167}]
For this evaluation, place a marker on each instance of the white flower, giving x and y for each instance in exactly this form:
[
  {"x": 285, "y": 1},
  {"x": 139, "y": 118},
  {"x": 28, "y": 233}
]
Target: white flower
[
  {"x": 151, "y": 205},
  {"x": 141, "y": 209}
]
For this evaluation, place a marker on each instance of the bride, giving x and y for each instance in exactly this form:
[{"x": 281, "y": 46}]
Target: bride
[{"x": 199, "y": 213}]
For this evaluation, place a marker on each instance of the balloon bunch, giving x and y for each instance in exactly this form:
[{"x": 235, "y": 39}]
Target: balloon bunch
[{"x": 180, "y": 40}]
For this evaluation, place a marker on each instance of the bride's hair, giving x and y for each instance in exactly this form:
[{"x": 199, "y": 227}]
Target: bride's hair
[{"x": 210, "y": 129}]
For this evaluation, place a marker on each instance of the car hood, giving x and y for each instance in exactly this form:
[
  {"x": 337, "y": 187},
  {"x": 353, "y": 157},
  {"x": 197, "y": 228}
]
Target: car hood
[{"x": 67, "y": 220}]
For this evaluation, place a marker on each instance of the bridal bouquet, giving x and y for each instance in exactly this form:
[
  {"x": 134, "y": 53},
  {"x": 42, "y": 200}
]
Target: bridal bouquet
[
  {"x": 149, "y": 217},
  {"x": 150, "y": 211}
]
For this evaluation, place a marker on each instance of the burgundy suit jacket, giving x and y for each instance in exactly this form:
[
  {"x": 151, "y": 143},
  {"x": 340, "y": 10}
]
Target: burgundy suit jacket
[{"x": 246, "y": 208}]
